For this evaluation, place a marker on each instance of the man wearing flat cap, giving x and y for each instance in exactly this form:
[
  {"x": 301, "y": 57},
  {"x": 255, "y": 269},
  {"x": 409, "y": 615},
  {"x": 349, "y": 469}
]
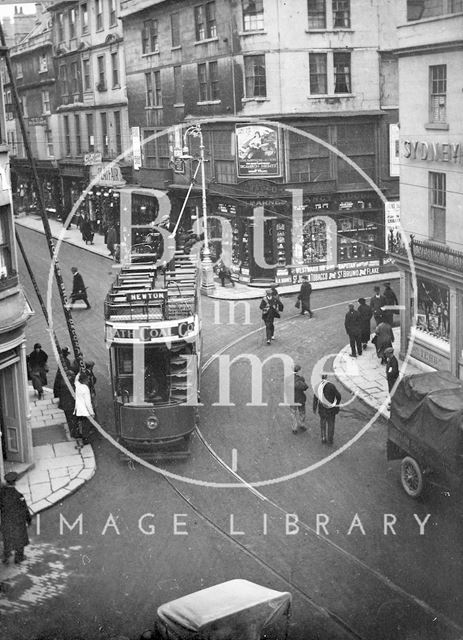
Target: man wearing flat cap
[{"x": 14, "y": 519}]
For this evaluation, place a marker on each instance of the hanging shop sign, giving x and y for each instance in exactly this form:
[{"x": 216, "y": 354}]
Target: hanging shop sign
[
  {"x": 136, "y": 148},
  {"x": 257, "y": 151},
  {"x": 394, "y": 150},
  {"x": 108, "y": 175},
  {"x": 38, "y": 121},
  {"x": 178, "y": 165},
  {"x": 92, "y": 158},
  {"x": 175, "y": 143}
]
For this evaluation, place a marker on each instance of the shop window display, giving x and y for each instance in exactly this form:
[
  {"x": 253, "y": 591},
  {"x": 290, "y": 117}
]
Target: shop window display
[
  {"x": 433, "y": 309},
  {"x": 240, "y": 244},
  {"x": 281, "y": 243},
  {"x": 314, "y": 242}
]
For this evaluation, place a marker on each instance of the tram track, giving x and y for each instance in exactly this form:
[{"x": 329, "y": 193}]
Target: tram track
[{"x": 347, "y": 556}]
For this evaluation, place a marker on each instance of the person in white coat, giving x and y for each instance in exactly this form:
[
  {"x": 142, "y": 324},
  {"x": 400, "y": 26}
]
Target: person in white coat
[{"x": 83, "y": 408}]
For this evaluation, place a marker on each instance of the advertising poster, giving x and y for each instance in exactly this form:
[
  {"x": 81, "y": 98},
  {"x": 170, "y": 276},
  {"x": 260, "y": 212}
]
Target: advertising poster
[
  {"x": 392, "y": 211},
  {"x": 258, "y": 151}
]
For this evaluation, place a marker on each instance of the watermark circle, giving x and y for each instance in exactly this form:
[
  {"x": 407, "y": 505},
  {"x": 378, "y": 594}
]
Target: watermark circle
[{"x": 242, "y": 482}]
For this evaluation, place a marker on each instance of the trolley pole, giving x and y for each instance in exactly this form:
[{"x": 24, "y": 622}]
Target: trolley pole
[{"x": 4, "y": 51}]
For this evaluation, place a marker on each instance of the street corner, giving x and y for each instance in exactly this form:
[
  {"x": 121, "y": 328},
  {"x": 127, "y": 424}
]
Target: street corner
[{"x": 55, "y": 477}]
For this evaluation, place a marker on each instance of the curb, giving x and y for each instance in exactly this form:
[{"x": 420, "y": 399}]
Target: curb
[
  {"x": 85, "y": 459},
  {"x": 64, "y": 240},
  {"x": 250, "y": 293},
  {"x": 83, "y": 476},
  {"x": 353, "y": 388}
]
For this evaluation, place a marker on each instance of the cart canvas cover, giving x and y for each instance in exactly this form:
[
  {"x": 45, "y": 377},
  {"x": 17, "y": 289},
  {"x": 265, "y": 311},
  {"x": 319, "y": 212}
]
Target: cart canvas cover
[
  {"x": 428, "y": 407},
  {"x": 233, "y": 610}
]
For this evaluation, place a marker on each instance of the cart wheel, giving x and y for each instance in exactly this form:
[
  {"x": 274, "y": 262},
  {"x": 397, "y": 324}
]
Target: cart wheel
[{"x": 411, "y": 477}]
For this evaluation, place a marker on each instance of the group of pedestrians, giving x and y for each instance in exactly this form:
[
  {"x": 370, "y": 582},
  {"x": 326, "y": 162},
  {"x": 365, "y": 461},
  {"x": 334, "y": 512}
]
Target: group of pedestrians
[
  {"x": 326, "y": 402},
  {"x": 79, "y": 405},
  {"x": 327, "y": 399},
  {"x": 357, "y": 323}
]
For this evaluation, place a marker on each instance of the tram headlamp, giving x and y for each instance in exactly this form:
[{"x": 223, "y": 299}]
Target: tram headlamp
[{"x": 152, "y": 422}]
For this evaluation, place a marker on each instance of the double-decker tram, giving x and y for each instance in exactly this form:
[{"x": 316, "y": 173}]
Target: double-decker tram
[{"x": 153, "y": 332}]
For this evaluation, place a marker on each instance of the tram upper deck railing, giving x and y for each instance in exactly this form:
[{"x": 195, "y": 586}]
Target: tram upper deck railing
[{"x": 139, "y": 295}]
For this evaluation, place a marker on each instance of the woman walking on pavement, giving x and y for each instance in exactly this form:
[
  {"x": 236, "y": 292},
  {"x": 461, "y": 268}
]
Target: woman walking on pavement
[
  {"x": 83, "y": 409},
  {"x": 86, "y": 230},
  {"x": 384, "y": 339},
  {"x": 37, "y": 368}
]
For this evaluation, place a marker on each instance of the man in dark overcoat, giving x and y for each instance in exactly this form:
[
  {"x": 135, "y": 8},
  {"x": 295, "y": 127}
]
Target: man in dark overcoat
[
  {"x": 37, "y": 368},
  {"x": 365, "y": 318},
  {"x": 384, "y": 339},
  {"x": 79, "y": 290},
  {"x": 392, "y": 368},
  {"x": 352, "y": 324},
  {"x": 327, "y": 400},
  {"x": 59, "y": 378},
  {"x": 304, "y": 296},
  {"x": 390, "y": 301},
  {"x": 298, "y": 409},
  {"x": 377, "y": 302},
  {"x": 14, "y": 519}
]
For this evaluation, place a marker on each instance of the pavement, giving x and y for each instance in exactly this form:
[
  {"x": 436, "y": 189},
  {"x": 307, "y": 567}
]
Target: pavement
[
  {"x": 365, "y": 377},
  {"x": 240, "y": 291},
  {"x": 58, "y": 468}
]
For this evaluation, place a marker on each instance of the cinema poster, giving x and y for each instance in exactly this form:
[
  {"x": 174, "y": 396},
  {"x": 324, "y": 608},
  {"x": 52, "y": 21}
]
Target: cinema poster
[{"x": 258, "y": 151}]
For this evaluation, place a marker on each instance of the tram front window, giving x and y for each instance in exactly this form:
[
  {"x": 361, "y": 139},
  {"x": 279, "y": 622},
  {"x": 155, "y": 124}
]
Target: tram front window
[{"x": 159, "y": 366}]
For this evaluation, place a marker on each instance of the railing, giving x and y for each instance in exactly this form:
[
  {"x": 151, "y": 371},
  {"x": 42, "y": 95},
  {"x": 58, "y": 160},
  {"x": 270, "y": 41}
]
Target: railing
[
  {"x": 170, "y": 310},
  {"x": 39, "y": 40},
  {"x": 440, "y": 255}
]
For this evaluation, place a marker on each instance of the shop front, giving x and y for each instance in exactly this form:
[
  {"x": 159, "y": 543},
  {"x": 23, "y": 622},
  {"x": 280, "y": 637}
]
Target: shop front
[
  {"x": 25, "y": 190},
  {"x": 327, "y": 237},
  {"x": 432, "y": 319},
  {"x": 75, "y": 179},
  {"x": 16, "y": 439},
  {"x": 103, "y": 199}
]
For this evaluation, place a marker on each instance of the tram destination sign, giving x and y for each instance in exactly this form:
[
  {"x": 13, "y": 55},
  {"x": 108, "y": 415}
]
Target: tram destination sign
[{"x": 147, "y": 296}]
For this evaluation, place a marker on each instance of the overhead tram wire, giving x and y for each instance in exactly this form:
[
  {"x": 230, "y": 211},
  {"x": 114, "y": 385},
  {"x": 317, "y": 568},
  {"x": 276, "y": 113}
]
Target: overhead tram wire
[{"x": 5, "y": 52}]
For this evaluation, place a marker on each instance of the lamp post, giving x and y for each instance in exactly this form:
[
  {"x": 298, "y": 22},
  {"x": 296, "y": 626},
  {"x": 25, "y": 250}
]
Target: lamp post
[{"x": 207, "y": 273}]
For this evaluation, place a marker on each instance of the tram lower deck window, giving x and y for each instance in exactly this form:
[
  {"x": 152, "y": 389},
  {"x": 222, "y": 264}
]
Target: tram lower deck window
[{"x": 149, "y": 374}]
